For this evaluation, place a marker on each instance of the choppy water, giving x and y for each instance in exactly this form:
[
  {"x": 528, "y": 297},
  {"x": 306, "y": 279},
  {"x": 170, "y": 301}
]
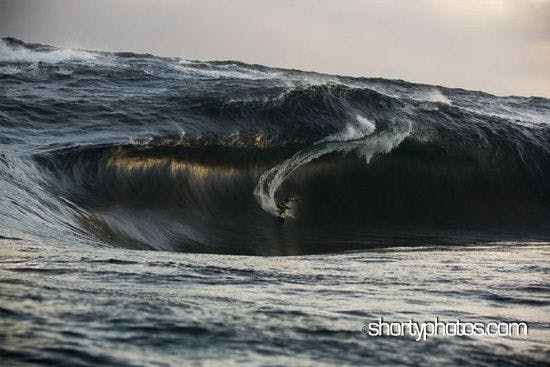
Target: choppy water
[
  {"x": 70, "y": 306},
  {"x": 441, "y": 195}
]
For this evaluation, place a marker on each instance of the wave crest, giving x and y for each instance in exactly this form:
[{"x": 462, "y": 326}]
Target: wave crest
[{"x": 12, "y": 50}]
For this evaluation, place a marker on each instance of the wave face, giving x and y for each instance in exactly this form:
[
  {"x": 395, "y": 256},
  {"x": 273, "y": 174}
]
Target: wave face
[{"x": 138, "y": 151}]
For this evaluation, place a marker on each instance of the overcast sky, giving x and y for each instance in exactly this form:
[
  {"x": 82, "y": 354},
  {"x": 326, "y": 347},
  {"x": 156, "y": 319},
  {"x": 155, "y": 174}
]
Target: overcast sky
[{"x": 499, "y": 46}]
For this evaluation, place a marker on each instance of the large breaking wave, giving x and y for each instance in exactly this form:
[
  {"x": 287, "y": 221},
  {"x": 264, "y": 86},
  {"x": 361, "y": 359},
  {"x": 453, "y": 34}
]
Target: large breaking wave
[{"x": 144, "y": 152}]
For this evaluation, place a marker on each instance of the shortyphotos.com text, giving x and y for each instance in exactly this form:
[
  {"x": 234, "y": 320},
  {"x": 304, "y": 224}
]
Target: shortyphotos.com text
[{"x": 423, "y": 330}]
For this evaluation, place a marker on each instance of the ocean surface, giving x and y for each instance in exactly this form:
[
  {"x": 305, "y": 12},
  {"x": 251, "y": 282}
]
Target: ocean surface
[{"x": 139, "y": 218}]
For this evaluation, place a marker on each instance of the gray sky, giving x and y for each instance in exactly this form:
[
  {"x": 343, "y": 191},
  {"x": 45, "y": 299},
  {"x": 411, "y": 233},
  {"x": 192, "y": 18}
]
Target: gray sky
[{"x": 499, "y": 46}]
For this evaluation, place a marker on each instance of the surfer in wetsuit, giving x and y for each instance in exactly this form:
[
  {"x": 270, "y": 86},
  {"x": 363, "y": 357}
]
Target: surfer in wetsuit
[{"x": 283, "y": 206}]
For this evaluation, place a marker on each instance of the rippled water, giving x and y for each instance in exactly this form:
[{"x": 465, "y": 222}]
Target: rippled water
[{"x": 84, "y": 306}]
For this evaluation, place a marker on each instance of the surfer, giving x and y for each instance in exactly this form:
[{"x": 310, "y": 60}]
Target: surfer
[{"x": 283, "y": 206}]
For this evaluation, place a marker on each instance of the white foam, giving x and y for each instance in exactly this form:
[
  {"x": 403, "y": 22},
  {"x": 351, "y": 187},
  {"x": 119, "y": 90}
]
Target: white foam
[
  {"x": 188, "y": 69},
  {"x": 433, "y": 95},
  {"x": 22, "y": 54},
  {"x": 355, "y": 130},
  {"x": 9, "y": 70}
]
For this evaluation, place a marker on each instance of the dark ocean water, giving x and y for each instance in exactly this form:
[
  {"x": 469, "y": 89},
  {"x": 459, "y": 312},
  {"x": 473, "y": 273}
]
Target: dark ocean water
[{"x": 410, "y": 201}]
